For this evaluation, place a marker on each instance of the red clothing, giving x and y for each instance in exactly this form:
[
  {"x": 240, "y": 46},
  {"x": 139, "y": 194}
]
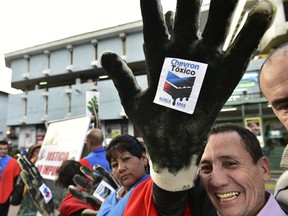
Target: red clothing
[
  {"x": 11, "y": 171},
  {"x": 85, "y": 162},
  {"x": 141, "y": 202},
  {"x": 70, "y": 205}
]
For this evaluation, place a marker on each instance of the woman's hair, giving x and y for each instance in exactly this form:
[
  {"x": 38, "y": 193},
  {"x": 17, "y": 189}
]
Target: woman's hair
[
  {"x": 66, "y": 172},
  {"x": 123, "y": 143},
  {"x": 32, "y": 149}
]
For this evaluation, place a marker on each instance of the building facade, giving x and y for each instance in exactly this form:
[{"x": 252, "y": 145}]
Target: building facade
[
  {"x": 57, "y": 77},
  {"x": 3, "y": 114}
]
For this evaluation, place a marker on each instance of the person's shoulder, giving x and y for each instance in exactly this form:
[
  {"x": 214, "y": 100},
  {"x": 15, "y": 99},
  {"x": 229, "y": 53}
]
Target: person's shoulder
[{"x": 13, "y": 160}]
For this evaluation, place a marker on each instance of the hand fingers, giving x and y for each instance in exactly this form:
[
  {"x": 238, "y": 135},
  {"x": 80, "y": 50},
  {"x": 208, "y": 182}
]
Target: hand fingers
[
  {"x": 84, "y": 183},
  {"x": 260, "y": 18},
  {"x": 106, "y": 176},
  {"x": 121, "y": 75},
  {"x": 169, "y": 19},
  {"x": 155, "y": 31},
  {"x": 27, "y": 178},
  {"x": 218, "y": 22},
  {"x": 22, "y": 162},
  {"x": 89, "y": 212},
  {"x": 27, "y": 165},
  {"x": 84, "y": 196},
  {"x": 91, "y": 174},
  {"x": 186, "y": 21}
]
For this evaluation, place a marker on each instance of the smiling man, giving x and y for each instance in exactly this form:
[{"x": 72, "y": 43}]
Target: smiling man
[
  {"x": 273, "y": 81},
  {"x": 233, "y": 172}
]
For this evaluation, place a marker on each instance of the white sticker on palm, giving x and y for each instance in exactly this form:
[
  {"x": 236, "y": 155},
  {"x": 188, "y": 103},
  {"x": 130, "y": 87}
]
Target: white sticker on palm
[
  {"x": 46, "y": 192},
  {"x": 103, "y": 190},
  {"x": 180, "y": 84}
]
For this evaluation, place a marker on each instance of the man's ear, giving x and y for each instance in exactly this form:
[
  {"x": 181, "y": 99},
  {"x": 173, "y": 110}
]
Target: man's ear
[{"x": 264, "y": 164}]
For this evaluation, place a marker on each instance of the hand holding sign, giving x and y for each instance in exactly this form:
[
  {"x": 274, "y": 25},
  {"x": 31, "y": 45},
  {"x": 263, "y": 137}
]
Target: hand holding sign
[
  {"x": 96, "y": 190},
  {"x": 36, "y": 187},
  {"x": 173, "y": 137}
]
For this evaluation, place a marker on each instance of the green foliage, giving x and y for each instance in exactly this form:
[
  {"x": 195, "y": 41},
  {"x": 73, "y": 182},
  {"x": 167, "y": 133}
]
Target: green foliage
[{"x": 93, "y": 106}]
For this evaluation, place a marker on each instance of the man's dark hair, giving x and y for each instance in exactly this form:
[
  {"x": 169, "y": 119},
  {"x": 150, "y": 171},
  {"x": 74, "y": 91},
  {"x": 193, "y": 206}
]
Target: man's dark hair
[
  {"x": 249, "y": 139},
  {"x": 3, "y": 142}
]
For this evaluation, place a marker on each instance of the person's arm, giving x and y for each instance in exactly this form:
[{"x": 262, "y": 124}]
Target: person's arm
[
  {"x": 36, "y": 187},
  {"x": 169, "y": 203},
  {"x": 172, "y": 137},
  {"x": 90, "y": 184}
]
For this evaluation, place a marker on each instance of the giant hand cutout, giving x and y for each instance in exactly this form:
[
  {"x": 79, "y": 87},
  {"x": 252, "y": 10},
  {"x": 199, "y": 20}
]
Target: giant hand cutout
[
  {"x": 96, "y": 178},
  {"x": 173, "y": 137},
  {"x": 36, "y": 187}
]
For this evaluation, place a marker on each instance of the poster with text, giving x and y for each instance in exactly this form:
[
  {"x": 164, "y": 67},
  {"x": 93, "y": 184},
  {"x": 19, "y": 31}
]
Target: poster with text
[{"x": 64, "y": 140}]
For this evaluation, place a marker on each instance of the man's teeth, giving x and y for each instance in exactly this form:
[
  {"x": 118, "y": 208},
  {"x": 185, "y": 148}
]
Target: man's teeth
[{"x": 228, "y": 196}]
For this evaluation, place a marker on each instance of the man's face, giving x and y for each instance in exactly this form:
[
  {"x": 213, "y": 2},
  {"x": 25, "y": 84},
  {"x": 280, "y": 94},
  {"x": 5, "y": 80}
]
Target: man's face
[
  {"x": 254, "y": 128},
  {"x": 274, "y": 86},
  {"x": 3, "y": 150},
  {"x": 234, "y": 184}
]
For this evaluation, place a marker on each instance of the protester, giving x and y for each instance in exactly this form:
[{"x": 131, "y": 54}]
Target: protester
[
  {"x": 70, "y": 206},
  {"x": 33, "y": 152},
  {"x": 173, "y": 137},
  {"x": 273, "y": 80},
  {"x": 9, "y": 170},
  {"x": 233, "y": 172},
  {"x": 127, "y": 157},
  {"x": 94, "y": 143},
  {"x": 12, "y": 150},
  {"x": 254, "y": 127}
]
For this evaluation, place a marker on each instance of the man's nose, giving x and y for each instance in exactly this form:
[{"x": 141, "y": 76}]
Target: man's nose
[{"x": 219, "y": 178}]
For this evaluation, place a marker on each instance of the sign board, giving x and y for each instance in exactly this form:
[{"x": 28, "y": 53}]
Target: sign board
[{"x": 64, "y": 140}]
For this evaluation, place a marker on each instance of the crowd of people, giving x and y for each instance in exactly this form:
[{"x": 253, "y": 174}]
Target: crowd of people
[
  {"x": 227, "y": 178},
  {"x": 232, "y": 169}
]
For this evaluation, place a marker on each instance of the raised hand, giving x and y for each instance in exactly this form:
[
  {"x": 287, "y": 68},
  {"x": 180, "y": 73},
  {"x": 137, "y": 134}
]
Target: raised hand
[
  {"x": 96, "y": 178},
  {"x": 173, "y": 137},
  {"x": 36, "y": 187}
]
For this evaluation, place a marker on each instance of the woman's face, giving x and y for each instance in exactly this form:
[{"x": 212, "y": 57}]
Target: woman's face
[{"x": 128, "y": 169}]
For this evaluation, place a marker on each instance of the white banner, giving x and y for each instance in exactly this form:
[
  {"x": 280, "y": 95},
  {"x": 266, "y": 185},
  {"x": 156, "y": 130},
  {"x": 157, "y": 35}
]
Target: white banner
[{"x": 64, "y": 140}]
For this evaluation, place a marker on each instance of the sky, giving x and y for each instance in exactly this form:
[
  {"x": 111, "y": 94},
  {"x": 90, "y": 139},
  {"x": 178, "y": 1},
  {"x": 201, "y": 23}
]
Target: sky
[{"x": 27, "y": 23}]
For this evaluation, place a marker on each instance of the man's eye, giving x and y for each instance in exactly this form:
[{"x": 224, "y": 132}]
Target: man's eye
[
  {"x": 229, "y": 164},
  {"x": 281, "y": 106},
  {"x": 205, "y": 169}
]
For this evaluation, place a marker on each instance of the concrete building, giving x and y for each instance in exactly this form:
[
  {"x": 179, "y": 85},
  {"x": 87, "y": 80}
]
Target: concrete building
[
  {"x": 3, "y": 114},
  {"x": 57, "y": 76}
]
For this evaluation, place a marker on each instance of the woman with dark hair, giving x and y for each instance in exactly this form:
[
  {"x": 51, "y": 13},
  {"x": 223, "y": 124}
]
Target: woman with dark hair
[
  {"x": 129, "y": 164},
  {"x": 70, "y": 206}
]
